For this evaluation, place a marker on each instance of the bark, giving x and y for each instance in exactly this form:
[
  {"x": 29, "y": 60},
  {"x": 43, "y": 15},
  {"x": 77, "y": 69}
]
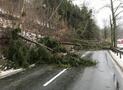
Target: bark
[
  {"x": 114, "y": 24},
  {"x": 111, "y": 32}
]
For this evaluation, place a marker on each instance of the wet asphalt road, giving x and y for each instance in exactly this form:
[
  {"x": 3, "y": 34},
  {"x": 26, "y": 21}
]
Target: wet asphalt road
[{"x": 99, "y": 77}]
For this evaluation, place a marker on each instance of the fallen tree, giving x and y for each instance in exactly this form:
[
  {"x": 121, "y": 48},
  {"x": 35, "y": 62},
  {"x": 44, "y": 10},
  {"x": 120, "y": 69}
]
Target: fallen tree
[
  {"x": 43, "y": 51},
  {"x": 39, "y": 44}
]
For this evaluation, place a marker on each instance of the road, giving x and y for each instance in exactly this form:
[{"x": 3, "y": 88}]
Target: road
[{"x": 103, "y": 76}]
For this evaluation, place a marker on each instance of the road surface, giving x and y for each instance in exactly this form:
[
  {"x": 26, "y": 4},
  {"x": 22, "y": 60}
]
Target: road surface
[{"x": 103, "y": 76}]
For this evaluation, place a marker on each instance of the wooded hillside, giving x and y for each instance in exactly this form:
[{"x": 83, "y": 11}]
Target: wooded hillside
[{"x": 57, "y": 18}]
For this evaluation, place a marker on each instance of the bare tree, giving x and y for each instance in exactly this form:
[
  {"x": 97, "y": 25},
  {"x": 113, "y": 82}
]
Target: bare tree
[{"x": 115, "y": 12}]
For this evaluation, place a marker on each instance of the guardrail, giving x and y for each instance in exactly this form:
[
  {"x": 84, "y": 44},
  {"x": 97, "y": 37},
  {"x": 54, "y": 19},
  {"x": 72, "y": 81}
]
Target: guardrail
[{"x": 118, "y": 52}]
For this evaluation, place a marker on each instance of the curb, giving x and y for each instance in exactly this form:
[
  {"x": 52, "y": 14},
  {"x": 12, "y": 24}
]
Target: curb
[
  {"x": 4, "y": 74},
  {"x": 119, "y": 65}
]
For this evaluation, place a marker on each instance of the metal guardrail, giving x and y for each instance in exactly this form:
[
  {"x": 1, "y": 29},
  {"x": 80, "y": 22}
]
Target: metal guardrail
[{"x": 117, "y": 51}]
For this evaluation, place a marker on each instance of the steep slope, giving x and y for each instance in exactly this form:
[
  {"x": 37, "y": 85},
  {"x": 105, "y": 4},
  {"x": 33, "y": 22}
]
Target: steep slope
[{"x": 33, "y": 18}]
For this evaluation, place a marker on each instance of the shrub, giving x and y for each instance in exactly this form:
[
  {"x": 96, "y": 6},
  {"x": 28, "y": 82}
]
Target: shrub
[
  {"x": 72, "y": 60},
  {"x": 43, "y": 55},
  {"x": 20, "y": 54},
  {"x": 17, "y": 50},
  {"x": 17, "y": 53},
  {"x": 52, "y": 43},
  {"x": 39, "y": 55},
  {"x": 32, "y": 55}
]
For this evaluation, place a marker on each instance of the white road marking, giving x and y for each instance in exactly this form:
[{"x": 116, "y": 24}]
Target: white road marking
[{"x": 54, "y": 77}]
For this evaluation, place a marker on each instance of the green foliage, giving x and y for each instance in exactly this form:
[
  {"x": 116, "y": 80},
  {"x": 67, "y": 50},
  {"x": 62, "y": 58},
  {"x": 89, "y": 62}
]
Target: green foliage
[
  {"x": 13, "y": 34},
  {"x": 20, "y": 54},
  {"x": 43, "y": 55},
  {"x": 52, "y": 43},
  {"x": 17, "y": 53},
  {"x": 32, "y": 55},
  {"x": 74, "y": 60},
  {"x": 71, "y": 60}
]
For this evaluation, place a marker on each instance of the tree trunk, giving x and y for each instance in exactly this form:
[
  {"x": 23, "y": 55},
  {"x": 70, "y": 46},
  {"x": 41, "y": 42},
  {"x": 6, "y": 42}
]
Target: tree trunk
[
  {"x": 111, "y": 32},
  {"x": 40, "y": 45},
  {"x": 114, "y": 24}
]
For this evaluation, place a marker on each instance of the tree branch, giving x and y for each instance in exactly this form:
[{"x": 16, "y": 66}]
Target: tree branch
[
  {"x": 118, "y": 13},
  {"x": 117, "y": 7}
]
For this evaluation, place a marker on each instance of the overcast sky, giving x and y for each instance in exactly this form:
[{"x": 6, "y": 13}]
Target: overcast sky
[{"x": 101, "y": 15}]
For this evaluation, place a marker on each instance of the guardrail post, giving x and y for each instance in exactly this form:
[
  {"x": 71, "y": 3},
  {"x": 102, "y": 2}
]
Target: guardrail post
[
  {"x": 116, "y": 51},
  {"x": 120, "y": 55}
]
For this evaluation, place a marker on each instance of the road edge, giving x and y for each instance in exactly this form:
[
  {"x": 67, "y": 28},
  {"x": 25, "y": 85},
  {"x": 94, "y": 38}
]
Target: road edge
[
  {"x": 4, "y": 74},
  {"x": 121, "y": 67}
]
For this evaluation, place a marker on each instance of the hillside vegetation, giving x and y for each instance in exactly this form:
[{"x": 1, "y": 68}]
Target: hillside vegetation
[
  {"x": 56, "y": 21},
  {"x": 57, "y": 18}
]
